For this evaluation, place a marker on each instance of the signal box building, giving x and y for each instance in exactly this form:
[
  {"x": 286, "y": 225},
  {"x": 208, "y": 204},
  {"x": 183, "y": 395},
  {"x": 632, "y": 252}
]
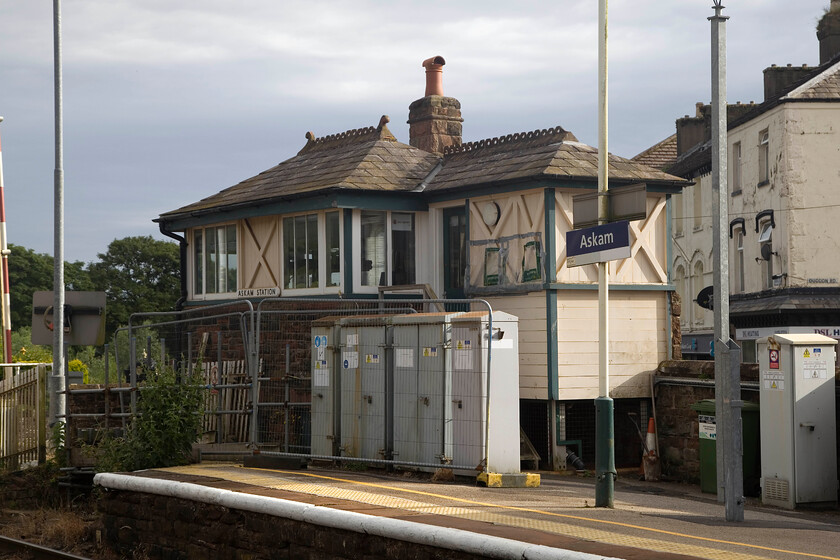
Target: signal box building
[{"x": 357, "y": 213}]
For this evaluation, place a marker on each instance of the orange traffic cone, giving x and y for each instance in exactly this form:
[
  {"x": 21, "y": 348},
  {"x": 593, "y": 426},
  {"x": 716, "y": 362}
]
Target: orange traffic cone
[{"x": 651, "y": 461}]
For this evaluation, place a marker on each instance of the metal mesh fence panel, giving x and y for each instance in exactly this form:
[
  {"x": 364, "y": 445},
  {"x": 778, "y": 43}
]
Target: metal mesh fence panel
[
  {"x": 580, "y": 426},
  {"x": 212, "y": 342},
  {"x": 371, "y": 381}
]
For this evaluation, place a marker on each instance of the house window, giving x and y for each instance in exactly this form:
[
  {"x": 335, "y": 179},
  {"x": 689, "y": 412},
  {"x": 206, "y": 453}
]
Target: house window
[
  {"x": 698, "y": 206},
  {"x": 305, "y": 264},
  {"x": 739, "y": 261},
  {"x": 736, "y": 168},
  {"x": 381, "y": 233},
  {"x": 214, "y": 260},
  {"x": 763, "y": 157},
  {"x": 765, "y": 243},
  {"x": 697, "y": 284},
  {"x": 678, "y": 214}
]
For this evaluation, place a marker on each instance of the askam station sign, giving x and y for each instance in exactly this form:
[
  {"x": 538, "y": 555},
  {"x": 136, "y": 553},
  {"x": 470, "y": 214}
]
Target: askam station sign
[{"x": 602, "y": 243}]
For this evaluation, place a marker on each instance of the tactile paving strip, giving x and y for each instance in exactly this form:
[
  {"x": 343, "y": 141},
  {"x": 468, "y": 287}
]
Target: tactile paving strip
[{"x": 277, "y": 481}]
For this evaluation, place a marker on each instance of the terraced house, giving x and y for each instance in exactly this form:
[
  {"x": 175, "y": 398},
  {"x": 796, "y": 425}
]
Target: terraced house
[{"x": 357, "y": 213}]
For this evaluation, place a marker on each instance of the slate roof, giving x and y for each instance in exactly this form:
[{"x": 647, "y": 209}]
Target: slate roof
[
  {"x": 788, "y": 301},
  {"x": 367, "y": 159},
  {"x": 659, "y": 156},
  {"x": 371, "y": 159},
  {"x": 552, "y": 153},
  {"x": 823, "y": 84}
]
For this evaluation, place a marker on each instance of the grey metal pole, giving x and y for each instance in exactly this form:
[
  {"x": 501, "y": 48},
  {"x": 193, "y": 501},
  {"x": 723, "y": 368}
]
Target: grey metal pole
[
  {"x": 58, "y": 256},
  {"x": 727, "y": 390},
  {"x": 604, "y": 436}
]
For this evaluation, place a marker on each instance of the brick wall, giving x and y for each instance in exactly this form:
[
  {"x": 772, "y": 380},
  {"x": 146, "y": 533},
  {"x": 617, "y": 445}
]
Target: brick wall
[
  {"x": 131, "y": 525},
  {"x": 677, "y": 425}
]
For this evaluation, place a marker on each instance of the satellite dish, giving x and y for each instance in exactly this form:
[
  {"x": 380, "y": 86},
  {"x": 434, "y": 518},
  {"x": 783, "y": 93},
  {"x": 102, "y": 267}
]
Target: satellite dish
[
  {"x": 766, "y": 251},
  {"x": 705, "y": 298}
]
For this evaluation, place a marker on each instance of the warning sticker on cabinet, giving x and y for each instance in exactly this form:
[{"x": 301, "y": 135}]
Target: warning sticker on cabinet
[
  {"x": 773, "y": 381},
  {"x": 350, "y": 360},
  {"x": 371, "y": 358},
  {"x": 430, "y": 352},
  {"x": 814, "y": 368}
]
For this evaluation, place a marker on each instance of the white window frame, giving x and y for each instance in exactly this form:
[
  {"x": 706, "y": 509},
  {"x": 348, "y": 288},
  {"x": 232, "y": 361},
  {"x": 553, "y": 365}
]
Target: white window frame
[
  {"x": 763, "y": 157},
  {"x": 193, "y": 267},
  {"x": 389, "y": 268},
  {"x": 736, "y": 168},
  {"x": 322, "y": 287},
  {"x": 739, "y": 262},
  {"x": 766, "y": 238}
]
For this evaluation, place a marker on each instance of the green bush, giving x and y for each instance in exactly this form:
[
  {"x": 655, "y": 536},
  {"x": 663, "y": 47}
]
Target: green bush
[{"x": 161, "y": 435}]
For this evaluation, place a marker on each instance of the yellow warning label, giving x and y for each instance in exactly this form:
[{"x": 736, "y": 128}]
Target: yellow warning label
[
  {"x": 774, "y": 386},
  {"x": 806, "y": 354}
]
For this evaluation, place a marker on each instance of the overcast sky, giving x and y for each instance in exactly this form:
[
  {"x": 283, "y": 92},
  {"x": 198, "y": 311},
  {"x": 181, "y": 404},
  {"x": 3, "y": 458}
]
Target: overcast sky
[{"x": 169, "y": 101}]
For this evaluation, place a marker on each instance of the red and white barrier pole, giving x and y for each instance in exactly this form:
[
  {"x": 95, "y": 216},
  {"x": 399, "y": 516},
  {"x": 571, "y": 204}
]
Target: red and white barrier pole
[{"x": 4, "y": 272}]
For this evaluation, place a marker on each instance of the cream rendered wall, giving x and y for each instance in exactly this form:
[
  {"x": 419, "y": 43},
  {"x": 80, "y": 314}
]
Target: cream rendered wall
[
  {"x": 755, "y": 198},
  {"x": 638, "y": 342},
  {"x": 533, "y": 364},
  {"x": 810, "y": 195}
]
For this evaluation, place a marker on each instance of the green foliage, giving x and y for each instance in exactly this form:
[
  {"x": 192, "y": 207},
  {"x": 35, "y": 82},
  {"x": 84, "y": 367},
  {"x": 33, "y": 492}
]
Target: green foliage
[
  {"x": 162, "y": 434},
  {"x": 24, "y": 351},
  {"x": 137, "y": 274},
  {"x": 79, "y": 365},
  {"x": 31, "y": 272}
]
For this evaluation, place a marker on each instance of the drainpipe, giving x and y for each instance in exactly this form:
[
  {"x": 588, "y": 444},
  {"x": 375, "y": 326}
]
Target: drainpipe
[{"x": 182, "y": 241}]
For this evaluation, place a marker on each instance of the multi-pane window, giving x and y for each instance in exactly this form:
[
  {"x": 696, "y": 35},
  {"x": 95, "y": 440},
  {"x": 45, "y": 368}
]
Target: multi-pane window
[
  {"x": 739, "y": 261},
  {"x": 678, "y": 213},
  {"x": 765, "y": 243},
  {"x": 736, "y": 168},
  {"x": 387, "y": 248},
  {"x": 763, "y": 157},
  {"x": 305, "y": 264},
  {"x": 697, "y": 284},
  {"x": 698, "y": 206},
  {"x": 214, "y": 260},
  {"x": 300, "y": 252}
]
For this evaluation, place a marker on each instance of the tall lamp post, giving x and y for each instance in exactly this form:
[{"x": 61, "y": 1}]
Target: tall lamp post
[
  {"x": 58, "y": 233},
  {"x": 604, "y": 412},
  {"x": 728, "y": 401}
]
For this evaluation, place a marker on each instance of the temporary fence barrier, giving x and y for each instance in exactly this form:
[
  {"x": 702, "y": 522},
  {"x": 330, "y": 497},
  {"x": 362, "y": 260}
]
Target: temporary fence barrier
[
  {"x": 23, "y": 415},
  {"x": 360, "y": 380}
]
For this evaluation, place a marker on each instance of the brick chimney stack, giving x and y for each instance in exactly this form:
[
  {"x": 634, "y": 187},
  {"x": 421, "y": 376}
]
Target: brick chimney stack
[
  {"x": 434, "y": 120},
  {"x": 828, "y": 33}
]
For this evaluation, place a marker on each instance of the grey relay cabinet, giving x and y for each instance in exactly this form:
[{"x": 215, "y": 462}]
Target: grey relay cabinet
[
  {"x": 415, "y": 389},
  {"x": 798, "y": 421}
]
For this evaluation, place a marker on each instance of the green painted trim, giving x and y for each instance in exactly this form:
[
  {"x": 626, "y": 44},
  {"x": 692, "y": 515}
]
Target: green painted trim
[
  {"x": 550, "y": 236},
  {"x": 347, "y": 263},
  {"x": 551, "y": 351},
  {"x": 618, "y": 287},
  {"x": 398, "y": 201},
  {"x": 490, "y": 188}
]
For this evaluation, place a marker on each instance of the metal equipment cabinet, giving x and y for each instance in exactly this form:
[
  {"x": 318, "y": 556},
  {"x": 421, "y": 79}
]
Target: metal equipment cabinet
[
  {"x": 798, "y": 422},
  {"x": 422, "y": 388},
  {"x": 325, "y": 386},
  {"x": 363, "y": 386},
  {"x": 485, "y": 406}
]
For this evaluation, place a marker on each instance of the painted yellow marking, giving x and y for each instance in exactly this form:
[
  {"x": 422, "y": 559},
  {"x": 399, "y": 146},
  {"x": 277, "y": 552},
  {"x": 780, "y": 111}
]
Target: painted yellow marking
[{"x": 544, "y": 525}]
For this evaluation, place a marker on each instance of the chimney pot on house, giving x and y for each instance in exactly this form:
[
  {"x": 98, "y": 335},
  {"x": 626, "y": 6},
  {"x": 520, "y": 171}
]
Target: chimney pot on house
[
  {"x": 434, "y": 75},
  {"x": 434, "y": 120}
]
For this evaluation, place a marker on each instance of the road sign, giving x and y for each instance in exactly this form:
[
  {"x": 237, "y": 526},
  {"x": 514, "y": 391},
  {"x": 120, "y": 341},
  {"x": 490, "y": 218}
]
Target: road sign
[{"x": 602, "y": 243}]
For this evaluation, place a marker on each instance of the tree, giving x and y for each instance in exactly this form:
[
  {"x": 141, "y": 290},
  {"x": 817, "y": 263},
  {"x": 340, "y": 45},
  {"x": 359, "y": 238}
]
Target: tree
[{"x": 138, "y": 274}]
